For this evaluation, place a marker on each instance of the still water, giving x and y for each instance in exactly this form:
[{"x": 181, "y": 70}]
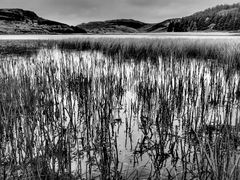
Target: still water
[
  {"x": 192, "y": 35},
  {"x": 119, "y": 116}
]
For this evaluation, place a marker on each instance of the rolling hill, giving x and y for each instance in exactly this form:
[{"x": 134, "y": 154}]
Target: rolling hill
[
  {"x": 219, "y": 18},
  {"x": 19, "y": 21},
  {"x": 124, "y": 26},
  {"x": 113, "y": 26}
]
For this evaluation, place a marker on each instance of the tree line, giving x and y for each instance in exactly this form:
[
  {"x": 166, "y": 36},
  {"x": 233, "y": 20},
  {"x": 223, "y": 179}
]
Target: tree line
[{"x": 221, "y": 17}]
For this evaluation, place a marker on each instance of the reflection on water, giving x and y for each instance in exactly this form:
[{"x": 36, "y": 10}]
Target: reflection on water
[{"x": 102, "y": 117}]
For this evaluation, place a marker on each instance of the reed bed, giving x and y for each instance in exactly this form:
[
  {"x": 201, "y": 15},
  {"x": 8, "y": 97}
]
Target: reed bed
[
  {"x": 222, "y": 50},
  {"x": 121, "y": 109}
]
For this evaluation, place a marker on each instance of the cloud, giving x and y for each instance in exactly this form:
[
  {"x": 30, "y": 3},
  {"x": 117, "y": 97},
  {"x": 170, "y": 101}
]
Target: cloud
[{"x": 145, "y": 3}]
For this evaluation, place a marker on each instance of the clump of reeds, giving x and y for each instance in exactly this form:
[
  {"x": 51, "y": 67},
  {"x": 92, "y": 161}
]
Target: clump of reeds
[{"x": 221, "y": 50}]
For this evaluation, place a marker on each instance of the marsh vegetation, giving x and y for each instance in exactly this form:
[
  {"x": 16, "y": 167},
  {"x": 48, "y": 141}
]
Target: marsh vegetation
[{"x": 120, "y": 109}]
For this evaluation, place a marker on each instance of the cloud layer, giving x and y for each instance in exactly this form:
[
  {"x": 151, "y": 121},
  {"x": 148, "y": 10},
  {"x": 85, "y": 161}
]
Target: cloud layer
[{"x": 77, "y": 11}]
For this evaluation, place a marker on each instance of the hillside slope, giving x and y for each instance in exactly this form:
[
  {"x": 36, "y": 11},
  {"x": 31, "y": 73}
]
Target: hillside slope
[
  {"x": 113, "y": 26},
  {"x": 219, "y": 18},
  {"x": 18, "y": 21},
  {"x": 124, "y": 26}
]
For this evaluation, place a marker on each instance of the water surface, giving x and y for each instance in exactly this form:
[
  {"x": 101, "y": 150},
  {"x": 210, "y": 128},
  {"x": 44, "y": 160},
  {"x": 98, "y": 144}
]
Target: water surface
[
  {"x": 192, "y": 35},
  {"x": 95, "y": 116}
]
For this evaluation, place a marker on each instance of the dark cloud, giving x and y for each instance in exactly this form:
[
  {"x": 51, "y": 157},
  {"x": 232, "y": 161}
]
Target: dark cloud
[{"x": 78, "y": 11}]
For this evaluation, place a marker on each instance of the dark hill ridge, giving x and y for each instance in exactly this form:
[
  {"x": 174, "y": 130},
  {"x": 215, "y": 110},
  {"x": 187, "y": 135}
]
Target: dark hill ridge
[
  {"x": 18, "y": 21},
  {"x": 219, "y": 18},
  {"x": 17, "y": 15},
  {"x": 124, "y": 26},
  {"x": 113, "y": 26}
]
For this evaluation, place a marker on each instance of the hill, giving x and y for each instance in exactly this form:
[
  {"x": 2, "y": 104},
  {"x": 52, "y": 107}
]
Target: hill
[
  {"x": 219, "y": 18},
  {"x": 113, "y": 26},
  {"x": 124, "y": 26},
  {"x": 19, "y": 21}
]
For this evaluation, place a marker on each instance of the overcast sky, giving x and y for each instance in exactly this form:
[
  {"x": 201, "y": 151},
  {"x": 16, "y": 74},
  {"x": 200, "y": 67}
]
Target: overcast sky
[{"x": 74, "y": 12}]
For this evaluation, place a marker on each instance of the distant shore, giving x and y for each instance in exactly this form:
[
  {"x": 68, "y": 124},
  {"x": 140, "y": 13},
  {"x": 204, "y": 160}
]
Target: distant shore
[{"x": 207, "y": 35}]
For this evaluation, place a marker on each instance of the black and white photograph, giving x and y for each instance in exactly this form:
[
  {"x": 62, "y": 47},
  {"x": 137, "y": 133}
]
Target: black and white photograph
[{"x": 119, "y": 90}]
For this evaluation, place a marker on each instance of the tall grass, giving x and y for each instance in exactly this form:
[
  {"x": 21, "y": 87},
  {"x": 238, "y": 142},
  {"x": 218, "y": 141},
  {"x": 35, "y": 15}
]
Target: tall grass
[
  {"x": 221, "y": 50},
  {"x": 120, "y": 109}
]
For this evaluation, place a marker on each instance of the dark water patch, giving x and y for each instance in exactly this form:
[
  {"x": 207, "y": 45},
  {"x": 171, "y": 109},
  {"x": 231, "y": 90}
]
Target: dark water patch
[{"x": 19, "y": 48}]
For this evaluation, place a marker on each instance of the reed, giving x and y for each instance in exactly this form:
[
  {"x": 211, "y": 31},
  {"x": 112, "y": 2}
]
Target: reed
[{"x": 120, "y": 109}]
